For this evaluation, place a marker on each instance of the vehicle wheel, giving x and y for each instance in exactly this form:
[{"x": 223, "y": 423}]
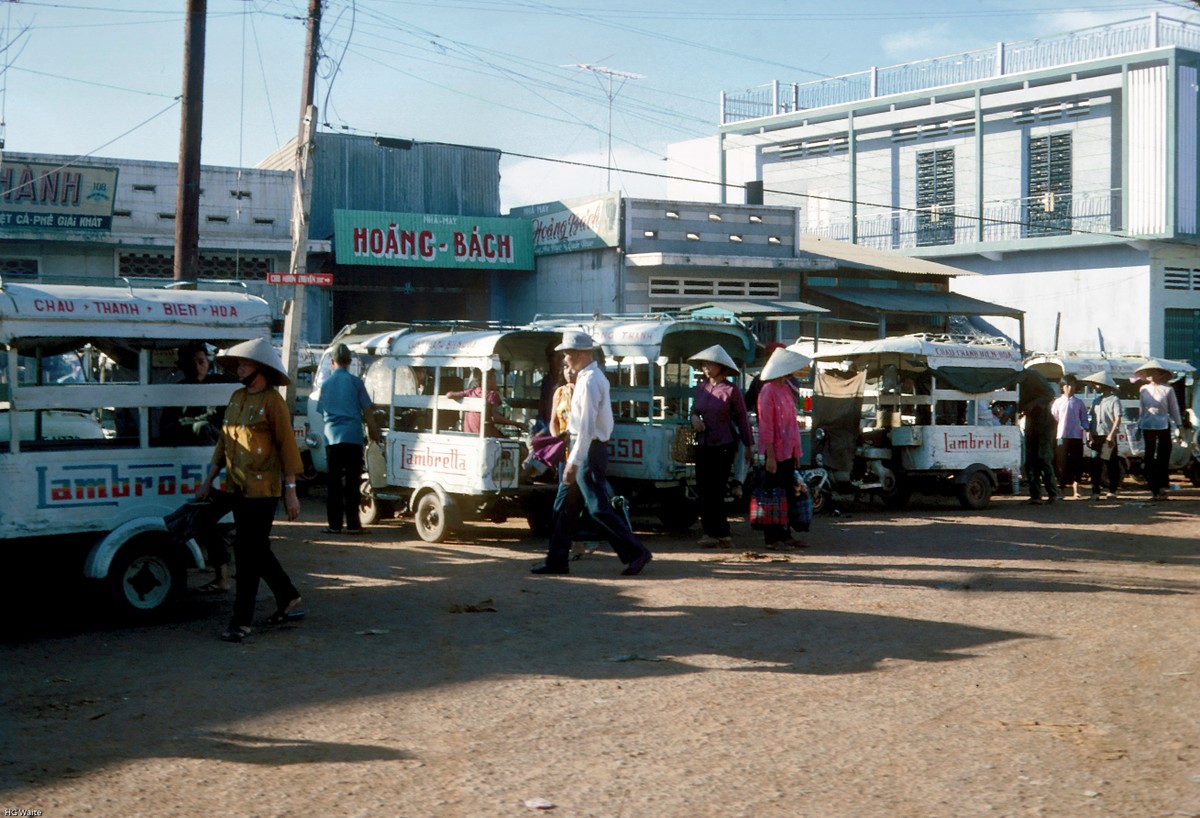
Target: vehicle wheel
[
  {"x": 976, "y": 492},
  {"x": 898, "y": 493},
  {"x": 1193, "y": 472},
  {"x": 432, "y": 518},
  {"x": 147, "y": 577},
  {"x": 822, "y": 501},
  {"x": 370, "y": 509},
  {"x": 678, "y": 514},
  {"x": 540, "y": 516}
]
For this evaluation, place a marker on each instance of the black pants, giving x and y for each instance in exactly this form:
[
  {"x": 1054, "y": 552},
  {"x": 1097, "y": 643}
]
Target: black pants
[
  {"x": 1039, "y": 465},
  {"x": 256, "y": 560},
  {"x": 713, "y": 464},
  {"x": 589, "y": 494},
  {"x": 1110, "y": 468},
  {"x": 1157, "y": 461},
  {"x": 783, "y": 477},
  {"x": 343, "y": 494},
  {"x": 1068, "y": 461}
]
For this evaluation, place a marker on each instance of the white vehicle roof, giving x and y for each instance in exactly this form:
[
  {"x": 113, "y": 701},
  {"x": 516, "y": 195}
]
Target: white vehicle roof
[
  {"x": 1121, "y": 366},
  {"x": 31, "y": 311},
  {"x": 521, "y": 346},
  {"x": 651, "y": 337},
  {"x": 928, "y": 352}
]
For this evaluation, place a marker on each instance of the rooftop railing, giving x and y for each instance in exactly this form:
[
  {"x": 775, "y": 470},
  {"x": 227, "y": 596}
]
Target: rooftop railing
[{"x": 1099, "y": 42}]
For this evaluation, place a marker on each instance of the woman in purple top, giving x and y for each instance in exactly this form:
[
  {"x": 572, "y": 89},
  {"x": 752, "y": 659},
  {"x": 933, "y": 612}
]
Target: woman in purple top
[
  {"x": 779, "y": 434},
  {"x": 719, "y": 419}
]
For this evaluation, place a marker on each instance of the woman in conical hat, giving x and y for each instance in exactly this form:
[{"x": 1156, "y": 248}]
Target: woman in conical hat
[
  {"x": 779, "y": 434},
  {"x": 1159, "y": 409},
  {"x": 1103, "y": 433},
  {"x": 720, "y": 421},
  {"x": 257, "y": 449}
]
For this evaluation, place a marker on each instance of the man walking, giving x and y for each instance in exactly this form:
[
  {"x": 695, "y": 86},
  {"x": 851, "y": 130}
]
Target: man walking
[
  {"x": 345, "y": 405},
  {"x": 583, "y": 486}
]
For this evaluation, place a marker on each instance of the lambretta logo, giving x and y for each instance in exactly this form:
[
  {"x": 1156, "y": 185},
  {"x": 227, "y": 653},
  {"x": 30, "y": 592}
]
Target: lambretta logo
[
  {"x": 433, "y": 458},
  {"x": 973, "y": 442},
  {"x": 110, "y": 484}
]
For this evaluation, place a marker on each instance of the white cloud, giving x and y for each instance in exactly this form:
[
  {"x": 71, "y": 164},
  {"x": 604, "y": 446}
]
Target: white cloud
[
  {"x": 920, "y": 43},
  {"x": 531, "y": 181}
]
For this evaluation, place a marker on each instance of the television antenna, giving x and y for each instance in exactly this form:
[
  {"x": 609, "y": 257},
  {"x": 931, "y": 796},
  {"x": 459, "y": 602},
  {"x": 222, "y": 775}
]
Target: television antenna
[{"x": 612, "y": 74}]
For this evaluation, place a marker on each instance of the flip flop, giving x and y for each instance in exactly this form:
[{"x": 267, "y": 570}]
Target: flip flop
[
  {"x": 236, "y": 633},
  {"x": 211, "y": 589},
  {"x": 288, "y": 613}
]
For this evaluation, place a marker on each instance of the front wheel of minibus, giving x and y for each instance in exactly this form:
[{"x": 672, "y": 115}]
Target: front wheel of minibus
[
  {"x": 147, "y": 577},
  {"x": 432, "y": 518}
]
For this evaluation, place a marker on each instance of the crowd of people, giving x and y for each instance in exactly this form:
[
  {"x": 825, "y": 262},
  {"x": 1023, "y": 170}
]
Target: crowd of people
[{"x": 1067, "y": 443}]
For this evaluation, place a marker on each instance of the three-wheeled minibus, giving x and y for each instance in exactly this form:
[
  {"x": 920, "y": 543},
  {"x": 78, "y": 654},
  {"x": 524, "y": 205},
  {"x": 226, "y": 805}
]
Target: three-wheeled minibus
[
  {"x": 84, "y": 374},
  {"x": 449, "y": 460},
  {"x": 652, "y": 386},
  {"x": 940, "y": 421}
]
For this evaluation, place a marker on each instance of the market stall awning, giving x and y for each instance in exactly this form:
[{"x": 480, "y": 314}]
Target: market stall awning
[
  {"x": 868, "y": 258},
  {"x": 912, "y": 302},
  {"x": 757, "y": 310}
]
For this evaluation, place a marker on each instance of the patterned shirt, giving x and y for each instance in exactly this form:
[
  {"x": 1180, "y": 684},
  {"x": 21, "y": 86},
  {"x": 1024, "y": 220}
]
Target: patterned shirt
[
  {"x": 777, "y": 424},
  {"x": 257, "y": 445}
]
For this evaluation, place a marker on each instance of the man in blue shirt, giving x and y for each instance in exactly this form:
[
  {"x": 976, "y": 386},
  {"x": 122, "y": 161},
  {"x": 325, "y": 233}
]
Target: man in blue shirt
[{"x": 345, "y": 405}]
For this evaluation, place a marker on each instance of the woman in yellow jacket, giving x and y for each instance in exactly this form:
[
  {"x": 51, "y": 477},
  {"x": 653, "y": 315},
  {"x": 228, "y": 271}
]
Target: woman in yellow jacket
[{"x": 258, "y": 451}]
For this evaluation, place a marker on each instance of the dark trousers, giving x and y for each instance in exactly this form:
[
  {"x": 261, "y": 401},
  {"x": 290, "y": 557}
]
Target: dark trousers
[
  {"x": 1039, "y": 465},
  {"x": 256, "y": 560},
  {"x": 1110, "y": 468},
  {"x": 345, "y": 481},
  {"x": 784, "y": 477},
  {"x": 1068, "y": 461},
  {"x": 589, "y": 495},
  {"x": 713, "y": 464},
  {"x": 1157, "y": 462}
]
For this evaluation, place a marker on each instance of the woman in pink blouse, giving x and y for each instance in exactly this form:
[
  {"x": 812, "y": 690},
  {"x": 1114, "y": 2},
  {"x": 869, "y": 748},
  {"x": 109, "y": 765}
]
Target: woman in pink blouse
[
  {"x": 719, "y": 419},
  {"x": 779, "y": 434}
]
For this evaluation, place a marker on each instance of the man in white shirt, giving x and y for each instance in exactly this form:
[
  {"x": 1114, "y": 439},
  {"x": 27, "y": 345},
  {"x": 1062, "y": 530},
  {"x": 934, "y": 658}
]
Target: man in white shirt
[{"x": 584, "y": 487}]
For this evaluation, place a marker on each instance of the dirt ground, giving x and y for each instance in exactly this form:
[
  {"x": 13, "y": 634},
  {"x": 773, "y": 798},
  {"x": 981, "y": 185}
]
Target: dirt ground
[{"x": 1020, "y": 661}]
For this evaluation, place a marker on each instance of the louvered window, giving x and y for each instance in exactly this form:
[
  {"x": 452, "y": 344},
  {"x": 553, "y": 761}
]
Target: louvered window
[
  {"x": 1049, "y": 205},
  {"x": 935, "y": 197},
  {"x": 1181, "y": 335},
  {"x": 1181, "y": 278}
]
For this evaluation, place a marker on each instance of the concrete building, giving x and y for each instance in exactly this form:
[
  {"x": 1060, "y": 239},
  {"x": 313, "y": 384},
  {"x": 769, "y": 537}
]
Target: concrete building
[
  {"x": 612, "y": 255},
  {"x": 1062, "y": 170},
  {"x": 96, "y": 220}
]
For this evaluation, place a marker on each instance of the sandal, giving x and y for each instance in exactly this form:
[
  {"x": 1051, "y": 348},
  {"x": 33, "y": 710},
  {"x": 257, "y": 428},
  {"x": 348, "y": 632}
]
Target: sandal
[
  {"x": 236, "y": 633},
  {"x": 212, "y": 588},
  {"x": 288, "y": 613}
]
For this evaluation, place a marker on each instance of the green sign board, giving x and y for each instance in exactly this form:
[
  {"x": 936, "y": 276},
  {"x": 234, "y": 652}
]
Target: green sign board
[
  {"x": 427, "y": 240},
  {"x": 573, "y": 224}
]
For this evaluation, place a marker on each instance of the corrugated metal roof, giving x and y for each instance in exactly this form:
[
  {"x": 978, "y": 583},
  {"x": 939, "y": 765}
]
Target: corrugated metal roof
[
  {"x": 868, "y": 258},
  {"x": 769, "y": 310},
  {"x": 914, "y": 302}
]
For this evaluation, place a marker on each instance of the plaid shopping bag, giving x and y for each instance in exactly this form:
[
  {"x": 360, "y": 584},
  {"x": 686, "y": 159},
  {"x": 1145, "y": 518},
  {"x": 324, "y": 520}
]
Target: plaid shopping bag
[{"x": 768, "y": 507}]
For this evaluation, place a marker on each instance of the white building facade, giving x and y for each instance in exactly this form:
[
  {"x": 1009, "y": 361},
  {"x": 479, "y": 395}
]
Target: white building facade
[{"x": 1062, "y": 170}]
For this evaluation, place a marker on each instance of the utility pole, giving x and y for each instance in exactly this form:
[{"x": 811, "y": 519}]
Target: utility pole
[
  {"x": 186, "y": 264},
  {"x": 611, "y": 73},
  {"x": 293, "y": 324}
]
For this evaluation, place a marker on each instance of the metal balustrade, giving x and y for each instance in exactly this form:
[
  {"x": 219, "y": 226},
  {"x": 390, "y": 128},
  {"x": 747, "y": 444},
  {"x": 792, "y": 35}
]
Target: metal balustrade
[{"x": 1099, "y": 42}]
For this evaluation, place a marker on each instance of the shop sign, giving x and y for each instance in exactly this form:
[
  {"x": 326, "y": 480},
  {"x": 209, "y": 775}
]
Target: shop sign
[
  {"x": 314, "y": 279},
  {"x": 37, "y": 196},
  {"x": 434, "y": 241},
  {"x": 573, "y": 224}
]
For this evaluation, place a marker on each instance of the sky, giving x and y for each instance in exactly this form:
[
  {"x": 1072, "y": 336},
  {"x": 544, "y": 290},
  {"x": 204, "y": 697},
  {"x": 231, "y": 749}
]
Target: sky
[{"x": 102, "y": 78}]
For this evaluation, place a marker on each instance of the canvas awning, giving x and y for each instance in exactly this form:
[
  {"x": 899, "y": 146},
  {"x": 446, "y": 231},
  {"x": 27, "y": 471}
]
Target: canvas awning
[
  {"x": 868, "y": 258},
  {"x": 913, "y": 302},
  {"x": 759, "y": 310}
]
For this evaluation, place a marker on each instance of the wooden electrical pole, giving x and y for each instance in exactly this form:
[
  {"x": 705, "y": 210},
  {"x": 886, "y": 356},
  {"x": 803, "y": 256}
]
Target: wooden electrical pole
[
  {"x": 187, "y": 194},
  {"x": 293, "y": 324}
]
